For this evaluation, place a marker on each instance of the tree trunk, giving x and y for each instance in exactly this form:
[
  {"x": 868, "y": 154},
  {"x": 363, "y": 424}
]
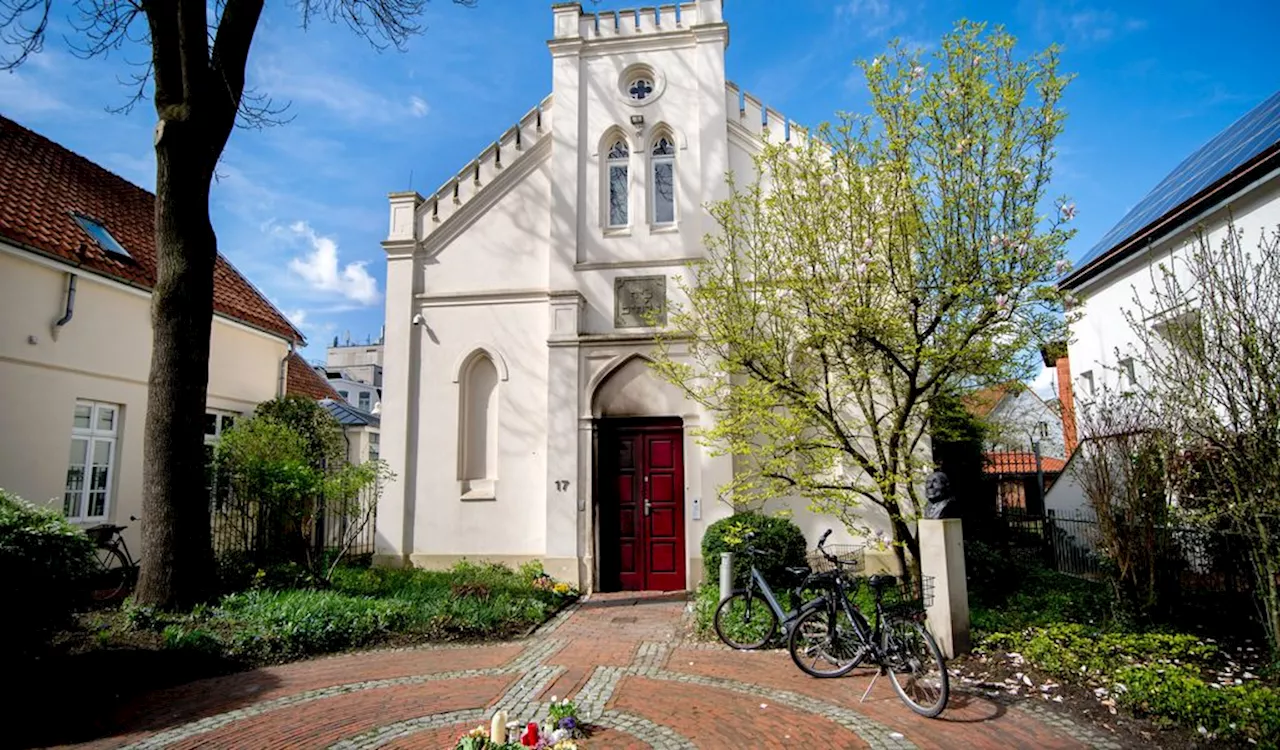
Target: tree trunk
[{"x": 177, "y": 562}]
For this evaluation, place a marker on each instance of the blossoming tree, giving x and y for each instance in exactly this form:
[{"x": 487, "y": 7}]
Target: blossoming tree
[{"x": 869, "y": 267}]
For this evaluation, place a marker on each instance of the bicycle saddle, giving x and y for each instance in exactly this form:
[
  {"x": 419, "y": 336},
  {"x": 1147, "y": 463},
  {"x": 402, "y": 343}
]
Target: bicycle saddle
[
  {"x": 801, "y": 571},
  {"x": 881, "y": 580}
]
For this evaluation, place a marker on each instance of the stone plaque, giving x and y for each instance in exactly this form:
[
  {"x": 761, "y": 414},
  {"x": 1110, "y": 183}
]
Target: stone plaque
[{"x": 639, "y": 301}]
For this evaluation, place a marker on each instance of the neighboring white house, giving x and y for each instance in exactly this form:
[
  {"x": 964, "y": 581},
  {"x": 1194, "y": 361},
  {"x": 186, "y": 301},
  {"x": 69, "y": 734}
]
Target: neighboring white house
[
  {"x": 519, "y": 412},
  {"x": 1237, "y": 175},
  {"x": 1026, "y": 447},
  {"x": 360, "y": 429},
  {"x": 355, "y": 372},
  {"x": 77, "y": 263}
]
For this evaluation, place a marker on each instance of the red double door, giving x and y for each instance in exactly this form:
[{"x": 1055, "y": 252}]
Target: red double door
[{"x": 641, "y": 504}]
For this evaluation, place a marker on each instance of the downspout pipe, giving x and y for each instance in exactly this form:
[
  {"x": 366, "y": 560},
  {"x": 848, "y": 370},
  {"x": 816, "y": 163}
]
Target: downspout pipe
[
  {"x": 284, "y": 369},
  {"x": 71, "y": 305}
]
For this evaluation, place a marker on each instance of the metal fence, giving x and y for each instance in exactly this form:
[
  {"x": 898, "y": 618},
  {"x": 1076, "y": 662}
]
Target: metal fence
[
  {"x": 1191, "y": 560},
  {"x": 248, "y": 529}
]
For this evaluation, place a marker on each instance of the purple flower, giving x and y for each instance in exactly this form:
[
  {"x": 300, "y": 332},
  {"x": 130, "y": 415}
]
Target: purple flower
[
  {"x": 1069, "y": 212},
  {"x": 569, "y": 723},
  {"x": 917, "y": 71},
  {"x": 1062, "y": 266},
  {"x": 1002, "y": 301}
]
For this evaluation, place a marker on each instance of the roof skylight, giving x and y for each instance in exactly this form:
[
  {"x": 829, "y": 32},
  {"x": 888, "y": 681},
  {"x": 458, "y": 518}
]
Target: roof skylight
[{"x": 100, "y": 235}]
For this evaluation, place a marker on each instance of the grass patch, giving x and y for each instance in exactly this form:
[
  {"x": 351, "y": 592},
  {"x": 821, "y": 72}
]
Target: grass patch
[
  {"x": 362, "y": 607},
  {"x": 1063, "y": 626}
]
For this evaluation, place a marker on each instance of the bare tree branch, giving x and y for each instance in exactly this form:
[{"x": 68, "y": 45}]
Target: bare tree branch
[{"x": 15, "y": 32}]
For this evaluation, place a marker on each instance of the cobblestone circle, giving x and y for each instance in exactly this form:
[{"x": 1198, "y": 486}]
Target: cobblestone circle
[{"x": 624, "y": 660}]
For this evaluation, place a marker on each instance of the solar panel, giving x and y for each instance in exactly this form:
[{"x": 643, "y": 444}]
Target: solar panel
[{"x": 1243, "y": 140}]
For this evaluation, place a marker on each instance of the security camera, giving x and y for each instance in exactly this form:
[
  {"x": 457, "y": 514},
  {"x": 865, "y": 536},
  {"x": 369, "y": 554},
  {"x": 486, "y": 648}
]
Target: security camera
[{"x": 419, "y": 320}]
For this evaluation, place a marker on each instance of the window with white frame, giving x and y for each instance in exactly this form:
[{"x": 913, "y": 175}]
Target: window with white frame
[
  {"x": 366, "y": 400},
  {"x": 95, "y": 430},
  {"x": 1086, "y": 383},
  {"x": 374, "y": 446},
  {"x": 616, "y": 171},
  {"x": 1128, "y": 375},
  {"x": 663, "y": 190},
  {"x": 216, "y": 423}
]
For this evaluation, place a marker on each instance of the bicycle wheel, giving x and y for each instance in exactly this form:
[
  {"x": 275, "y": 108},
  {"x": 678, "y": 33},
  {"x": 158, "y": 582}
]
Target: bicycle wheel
[
  {"x": 745, "y": 622},
  {"x": 916, "y": 666},
  {"x": 824, "y": 644},
  {"x": 113, "y": 576}
]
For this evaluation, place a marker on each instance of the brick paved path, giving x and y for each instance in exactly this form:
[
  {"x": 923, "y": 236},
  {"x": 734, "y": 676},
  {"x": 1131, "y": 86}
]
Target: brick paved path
[{"x": 620, "y": 657}]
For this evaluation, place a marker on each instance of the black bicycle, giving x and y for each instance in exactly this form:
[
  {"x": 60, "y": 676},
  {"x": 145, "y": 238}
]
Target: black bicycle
[
  {"x": 833, "y": 637},
  {"x": 749, "y": 617},
  {"x": 117, "y": 570}
]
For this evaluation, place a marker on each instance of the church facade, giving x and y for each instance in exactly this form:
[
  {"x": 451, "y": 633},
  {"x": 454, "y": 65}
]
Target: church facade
[{"x": 519, "y": 412}]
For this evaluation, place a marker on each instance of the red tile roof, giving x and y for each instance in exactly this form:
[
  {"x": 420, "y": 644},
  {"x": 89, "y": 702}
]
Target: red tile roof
[
  {"x": 1019, "y": 462},
  {"x": 42, "y": 184},
  {"x": 303, "y": 380}
]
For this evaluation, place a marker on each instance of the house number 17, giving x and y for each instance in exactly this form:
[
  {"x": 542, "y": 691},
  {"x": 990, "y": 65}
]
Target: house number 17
[{"x": 562, "y": 485}]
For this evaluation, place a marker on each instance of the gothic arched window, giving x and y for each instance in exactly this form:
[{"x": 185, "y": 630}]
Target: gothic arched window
[
  {"x": 478, "y": 423},
  {"x": 617, "y": 164},
  {"x": 663, "y": 191}
]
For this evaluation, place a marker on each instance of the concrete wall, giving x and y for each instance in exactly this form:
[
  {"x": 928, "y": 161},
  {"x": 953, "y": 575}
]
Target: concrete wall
[{"x": 103, "y": 354}]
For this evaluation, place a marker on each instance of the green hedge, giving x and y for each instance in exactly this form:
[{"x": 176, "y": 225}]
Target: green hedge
[
  {"x": 46, "y": 562},
  {"x": 778, "y": 535}
]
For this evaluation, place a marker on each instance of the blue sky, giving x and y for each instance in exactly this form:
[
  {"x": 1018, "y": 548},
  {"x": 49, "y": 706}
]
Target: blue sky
[{"x": 301, "y": 209}]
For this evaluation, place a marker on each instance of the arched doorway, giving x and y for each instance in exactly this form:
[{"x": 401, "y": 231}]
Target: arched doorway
[{"x": 639, "y": 493}]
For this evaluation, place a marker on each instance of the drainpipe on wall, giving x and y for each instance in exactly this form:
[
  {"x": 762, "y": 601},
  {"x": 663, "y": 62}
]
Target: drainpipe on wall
[
  {"x": 70, "y": 308},
  {"x": 284, "y": 369}
]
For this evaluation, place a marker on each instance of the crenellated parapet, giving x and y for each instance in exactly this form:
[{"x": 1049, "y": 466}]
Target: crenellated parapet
[
  {"x": 498, "y": 156},
  {"x": 634, "y": 22},
  {"x": 759, "y": 120}
]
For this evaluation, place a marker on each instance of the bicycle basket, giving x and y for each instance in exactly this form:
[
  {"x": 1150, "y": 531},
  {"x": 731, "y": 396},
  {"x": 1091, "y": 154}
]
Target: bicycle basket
[
  {"x": 102, "y": 534},
  {"x": 847, "y": 559},
  {"x": 908, "y": 597}
]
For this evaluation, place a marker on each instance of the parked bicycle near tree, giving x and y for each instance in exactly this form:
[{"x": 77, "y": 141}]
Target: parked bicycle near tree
[
  {"x": 117, "y": 569},
  {"x": 832, "y": 636}
]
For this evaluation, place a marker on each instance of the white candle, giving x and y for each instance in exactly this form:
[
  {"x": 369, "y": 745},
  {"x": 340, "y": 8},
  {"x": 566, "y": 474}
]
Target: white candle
[{"x": 498, "y": 728}]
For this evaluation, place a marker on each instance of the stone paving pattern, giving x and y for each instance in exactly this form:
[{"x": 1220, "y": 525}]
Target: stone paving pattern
[{"x": 621, "y": 657}]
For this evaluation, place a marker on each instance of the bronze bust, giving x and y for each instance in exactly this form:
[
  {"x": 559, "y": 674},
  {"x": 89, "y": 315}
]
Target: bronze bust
[{"x": 937, "y": 491}]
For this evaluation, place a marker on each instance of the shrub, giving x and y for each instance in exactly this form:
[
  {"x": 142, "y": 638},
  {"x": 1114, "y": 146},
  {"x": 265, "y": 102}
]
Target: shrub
[
  {"x": 1044, "y": 598},
  {"x": 46, "y": 563},
  {"x": 780, "y": 536}
]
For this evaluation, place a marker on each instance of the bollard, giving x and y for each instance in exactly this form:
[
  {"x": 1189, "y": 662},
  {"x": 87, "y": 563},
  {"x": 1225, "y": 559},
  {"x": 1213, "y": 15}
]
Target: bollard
[{"x": 726, "y": 575}]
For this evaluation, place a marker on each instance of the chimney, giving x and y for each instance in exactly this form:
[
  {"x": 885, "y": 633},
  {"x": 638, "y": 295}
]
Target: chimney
[{"x": 1055, "y": 355}]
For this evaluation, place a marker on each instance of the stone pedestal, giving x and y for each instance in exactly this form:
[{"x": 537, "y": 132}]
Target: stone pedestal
[{"x": 942, "y": 557}]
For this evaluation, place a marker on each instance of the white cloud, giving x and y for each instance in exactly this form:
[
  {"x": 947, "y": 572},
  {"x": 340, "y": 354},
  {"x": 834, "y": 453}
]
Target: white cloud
[
  {"x": 303, "y": 83},
  {"x": 1087, "y": 25},
  {"x": 876, "y": 17},
  {"x": 297, "y": 317},
  {"x": 320, "y": 269},
  {"x": 24, "y": 97},
  {"x": 1045, "y": 384}
]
